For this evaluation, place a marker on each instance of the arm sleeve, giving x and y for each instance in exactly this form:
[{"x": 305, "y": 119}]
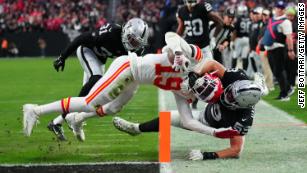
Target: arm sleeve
[
  {"x": 286, "y": 27},
  {"x": 245, "y": 123},
  {"x": 187, "y": 118},
  {"x": 176, "y": 43},
  {"x": 208, "y": 7},
  {"x": 86, "y": 39}
]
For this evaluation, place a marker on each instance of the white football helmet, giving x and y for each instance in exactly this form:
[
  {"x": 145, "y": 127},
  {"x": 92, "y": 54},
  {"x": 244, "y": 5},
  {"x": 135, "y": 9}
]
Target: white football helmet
[
  {"x": 241, "y": 94},
  {"x": 135, "y": 34},
  {"x": 242, "y": 10},
  {"x": 258, "y": 10}
]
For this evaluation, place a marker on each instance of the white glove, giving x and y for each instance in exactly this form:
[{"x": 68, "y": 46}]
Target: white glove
[
  {"x": 195, "y": 155},
  {"x": 181, "y": 63},
  {"x": 225, "y": 132}
]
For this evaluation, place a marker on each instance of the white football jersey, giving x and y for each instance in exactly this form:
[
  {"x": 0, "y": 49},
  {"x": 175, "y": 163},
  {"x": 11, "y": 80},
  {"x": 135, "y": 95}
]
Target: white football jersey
[{"x": 157, "y": 69}]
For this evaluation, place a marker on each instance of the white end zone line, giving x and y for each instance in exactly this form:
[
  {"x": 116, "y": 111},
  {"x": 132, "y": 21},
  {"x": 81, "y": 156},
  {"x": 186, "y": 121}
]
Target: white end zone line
[
  {"x": 285, "y": 114},
  {"x": 77, "y": 164}
]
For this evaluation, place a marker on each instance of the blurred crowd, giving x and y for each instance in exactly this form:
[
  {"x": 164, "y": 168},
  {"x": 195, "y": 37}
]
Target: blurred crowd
[
  {"x": 73, "y": 17},
  {"x": 51, "y": 15}
]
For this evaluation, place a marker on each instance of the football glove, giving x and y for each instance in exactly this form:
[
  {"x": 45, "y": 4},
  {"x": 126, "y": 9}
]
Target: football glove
[
  {"x": 195, "y": 155},
  {"x": 225, "y": 133},
  {"x": 181, "y": 63},
  {"x": 59, "y": 63},
  {"x": 198, "y": 155}
]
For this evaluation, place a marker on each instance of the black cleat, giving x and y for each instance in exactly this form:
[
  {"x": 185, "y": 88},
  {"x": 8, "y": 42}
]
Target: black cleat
[{"x": 57, "y": 130}]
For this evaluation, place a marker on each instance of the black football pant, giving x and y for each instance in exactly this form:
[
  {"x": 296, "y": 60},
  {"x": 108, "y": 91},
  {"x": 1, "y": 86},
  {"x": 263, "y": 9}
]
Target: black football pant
[
  {"x": 277, "y": 60},
  {"x": 291, "y": 68},
  {"x": 217, "y": 55},
  {"x": 244, "y": 62}
]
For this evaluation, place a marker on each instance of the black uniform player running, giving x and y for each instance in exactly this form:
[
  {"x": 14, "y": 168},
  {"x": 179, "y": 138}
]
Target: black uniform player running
[
  {"x": 234, "y": 109},
  {"x": 241, "y": 37},
  {"x": 93, "y": 49},
  {"x": 193, "y": 23}
]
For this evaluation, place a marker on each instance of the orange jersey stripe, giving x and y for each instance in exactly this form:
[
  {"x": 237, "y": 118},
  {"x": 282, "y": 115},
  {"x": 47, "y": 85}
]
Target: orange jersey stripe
[
  {"x": 68, "y": 104},
  {"x": 65, "y": 104},
  {"x": 199, "y": 54},
  {"x": 107, "y": 82}
]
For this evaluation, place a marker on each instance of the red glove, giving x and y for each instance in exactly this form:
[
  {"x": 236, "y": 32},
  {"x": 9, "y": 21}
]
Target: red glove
[{"x": 225, "y": 133}]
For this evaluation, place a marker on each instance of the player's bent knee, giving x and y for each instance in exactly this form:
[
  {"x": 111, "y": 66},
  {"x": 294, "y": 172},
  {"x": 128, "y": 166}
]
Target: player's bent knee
[
  {"x": 114, "y": 109},
  {"x": 236, "y": 152}
]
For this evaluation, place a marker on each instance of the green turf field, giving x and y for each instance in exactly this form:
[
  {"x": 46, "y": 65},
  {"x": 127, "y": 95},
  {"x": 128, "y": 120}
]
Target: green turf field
[
  {"x": 32, "y": 80},
  {"x": 291, "y": 107}
]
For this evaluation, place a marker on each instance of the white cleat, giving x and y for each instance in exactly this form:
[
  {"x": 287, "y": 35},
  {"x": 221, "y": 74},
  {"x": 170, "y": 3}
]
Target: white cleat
[
  {"x": 75, "y": 122},
  {"x": 259, "y": 78},
  {"x": 29, "y": 118},
  {"x": 126, "y": 126}
]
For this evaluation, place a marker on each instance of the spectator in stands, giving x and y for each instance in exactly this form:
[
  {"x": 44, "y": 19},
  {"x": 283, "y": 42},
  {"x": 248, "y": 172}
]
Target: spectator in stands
[{"x": 4, "y": 47}]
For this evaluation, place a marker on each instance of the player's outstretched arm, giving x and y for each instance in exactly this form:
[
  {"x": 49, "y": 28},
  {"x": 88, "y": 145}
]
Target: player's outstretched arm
[
  {"x": 189, "y": 123},
  {"x": 180, "y": 28},
  {"x": 85, "y": 39},
  {"x": 236, "y": 147},
  {"x": 212, "y": 66}
]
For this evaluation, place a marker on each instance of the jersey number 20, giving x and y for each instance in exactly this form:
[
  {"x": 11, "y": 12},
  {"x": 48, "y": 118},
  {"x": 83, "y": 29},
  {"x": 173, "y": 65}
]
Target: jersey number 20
[
  {"x": 194, "y": 27},
  {"x": 171, "y": 83}
]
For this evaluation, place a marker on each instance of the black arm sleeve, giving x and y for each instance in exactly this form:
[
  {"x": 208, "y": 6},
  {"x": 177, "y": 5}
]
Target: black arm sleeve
[
  {"x": 85, "y": 39},
  {"x": 245, "y": 123}
]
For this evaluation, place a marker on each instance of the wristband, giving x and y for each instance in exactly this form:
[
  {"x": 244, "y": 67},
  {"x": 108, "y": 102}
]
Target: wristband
[
  {"x": 290, "y": 50},
  {"x": 210, "y": 156}
]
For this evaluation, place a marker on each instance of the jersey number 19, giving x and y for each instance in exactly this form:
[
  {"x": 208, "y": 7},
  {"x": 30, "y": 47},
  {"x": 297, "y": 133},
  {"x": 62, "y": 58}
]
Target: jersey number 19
[{"x": 170, "y": 83}]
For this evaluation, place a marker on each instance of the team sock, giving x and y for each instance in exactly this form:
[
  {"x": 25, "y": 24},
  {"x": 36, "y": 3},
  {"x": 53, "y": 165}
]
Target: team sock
[
  {"x": 73, "y": 104},
  {"x": 58, "y": 120},
  {"x": 150, "y": 126}
]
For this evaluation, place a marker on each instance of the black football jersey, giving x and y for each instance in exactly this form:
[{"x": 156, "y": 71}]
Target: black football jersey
[
  {"x": 242, "y": 27},
  {"x": 218, "y": 116},
  {"x": 254, "y": 35},
  {"x": 196, "y": 24},
  {"x": 105, "y": 42}
]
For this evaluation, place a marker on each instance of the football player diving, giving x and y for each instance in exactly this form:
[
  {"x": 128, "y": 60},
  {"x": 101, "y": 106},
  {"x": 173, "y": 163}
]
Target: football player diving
[
  {"x": 232, "y": 106},
  {"x": 115, "y": 89},
  {"x": 93, "y": 49}
]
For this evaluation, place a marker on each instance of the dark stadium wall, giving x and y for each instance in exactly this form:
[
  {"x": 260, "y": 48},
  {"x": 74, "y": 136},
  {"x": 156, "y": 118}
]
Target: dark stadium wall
[{"x": 28, "y": 42}]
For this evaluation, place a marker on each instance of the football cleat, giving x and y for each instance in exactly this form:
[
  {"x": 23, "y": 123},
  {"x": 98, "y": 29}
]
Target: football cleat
[
  {"x": 57, "y": 129},
  {"x": 75, "y": 122},
  {"x": 126, "y": 126},
  {"x": 29, "y": 118}
]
